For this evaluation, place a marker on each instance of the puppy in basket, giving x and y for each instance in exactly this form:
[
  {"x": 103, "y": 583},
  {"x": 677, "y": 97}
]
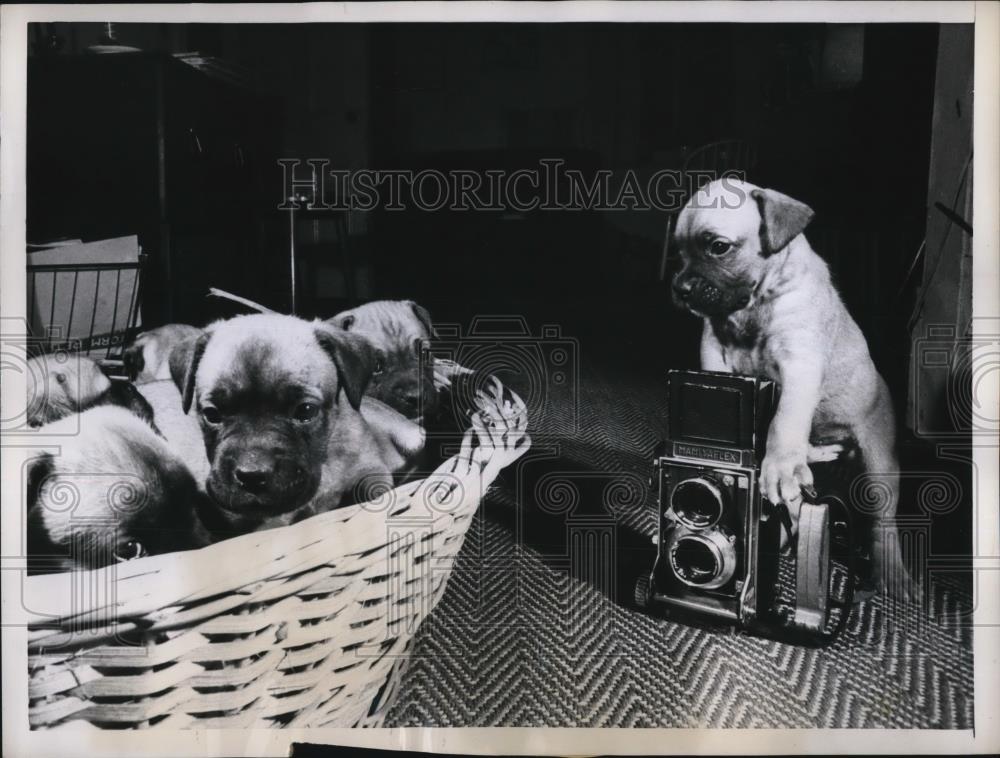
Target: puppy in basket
[
  {"x": 62, "y": 384},
  {"x": 115, "y": 491},
  {"x": 400, "y": 332},
  {"x": 160, "y": 353},
  {"x": 279, "y": 403}
]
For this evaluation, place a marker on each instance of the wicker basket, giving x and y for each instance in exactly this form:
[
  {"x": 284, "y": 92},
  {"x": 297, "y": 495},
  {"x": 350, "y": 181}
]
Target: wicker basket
[{"x": 308, "y": 625}]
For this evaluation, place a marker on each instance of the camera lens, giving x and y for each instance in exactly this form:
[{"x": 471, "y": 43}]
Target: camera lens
[
  {"x": 704, "y": 560},
  {"x": 697, "y": 502},
  {"x": 696, "y": 561}
]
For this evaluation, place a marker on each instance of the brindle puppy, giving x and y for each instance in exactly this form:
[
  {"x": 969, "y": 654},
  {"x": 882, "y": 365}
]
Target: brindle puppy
[
  {"x": 400, "y": 331},
  {"x": 278, "y": 400}
]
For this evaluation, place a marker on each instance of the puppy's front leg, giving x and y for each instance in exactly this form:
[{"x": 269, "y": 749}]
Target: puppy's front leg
[
  {"x": 785, "y": 468},
  {"x": 712, "y": 356}
]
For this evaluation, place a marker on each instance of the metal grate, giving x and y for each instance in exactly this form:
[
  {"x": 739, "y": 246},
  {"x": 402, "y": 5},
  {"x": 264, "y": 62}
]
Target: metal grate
[{"x": 66, "y": 283}]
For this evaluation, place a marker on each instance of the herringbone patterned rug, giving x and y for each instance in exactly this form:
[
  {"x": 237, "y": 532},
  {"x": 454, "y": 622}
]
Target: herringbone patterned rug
[{"x": 530, "y": 634}]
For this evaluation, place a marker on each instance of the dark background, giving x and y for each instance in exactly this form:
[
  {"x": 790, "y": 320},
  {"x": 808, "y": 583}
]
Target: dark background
[{"x": 840, "y": 116}]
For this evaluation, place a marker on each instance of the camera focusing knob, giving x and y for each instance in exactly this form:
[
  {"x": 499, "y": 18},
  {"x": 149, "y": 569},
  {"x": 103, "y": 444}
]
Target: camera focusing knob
[{"x": 654, "y": 479}]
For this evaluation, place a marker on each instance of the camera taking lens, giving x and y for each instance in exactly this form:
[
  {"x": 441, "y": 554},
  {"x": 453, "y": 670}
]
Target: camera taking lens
[{"x": 705, "y": 560}]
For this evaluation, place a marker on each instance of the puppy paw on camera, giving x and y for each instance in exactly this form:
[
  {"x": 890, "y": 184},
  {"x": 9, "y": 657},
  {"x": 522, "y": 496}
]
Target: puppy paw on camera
[{"x": 783, "y": 474}]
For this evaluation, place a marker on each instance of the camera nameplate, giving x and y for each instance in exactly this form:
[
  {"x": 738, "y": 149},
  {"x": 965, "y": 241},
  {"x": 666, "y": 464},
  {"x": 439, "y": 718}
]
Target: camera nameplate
[{"x": 719, "y": 456}]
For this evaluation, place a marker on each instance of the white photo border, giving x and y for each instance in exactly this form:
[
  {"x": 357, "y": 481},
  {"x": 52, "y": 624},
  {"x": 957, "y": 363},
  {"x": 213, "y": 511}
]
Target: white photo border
[{"x": 19, "y": 741}]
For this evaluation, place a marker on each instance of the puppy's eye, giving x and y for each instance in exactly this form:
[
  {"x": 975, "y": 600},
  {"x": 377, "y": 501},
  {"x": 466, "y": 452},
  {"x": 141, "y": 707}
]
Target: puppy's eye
[
  {"x": 379, "y": 364},
  {"x": 211, "y": 414},
  {"x": 130, "y": 551},
  {"x": 347, "y": 322},
  {"x": 720, "y": 247},
  {"x": 306, "y": 412}
]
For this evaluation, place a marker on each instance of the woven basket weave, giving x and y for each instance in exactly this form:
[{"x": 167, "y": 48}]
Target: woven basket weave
[{"x": 307, "y": 625}]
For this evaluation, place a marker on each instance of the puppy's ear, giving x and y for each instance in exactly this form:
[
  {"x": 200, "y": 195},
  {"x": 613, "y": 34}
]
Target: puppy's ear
[
  {"x": 782, "y": 219},
  {"x": 185, "y": 367},
  {"x": 134, "y": 361},
  {"x": 342, "y": 321},
  {"x": 179, "y": 359},
  {"x": 354, "y": 358},
  {"x": 39, "y": 469},
  {"x": 424, "y": 317},
  {"x": 40, "y": 544}
]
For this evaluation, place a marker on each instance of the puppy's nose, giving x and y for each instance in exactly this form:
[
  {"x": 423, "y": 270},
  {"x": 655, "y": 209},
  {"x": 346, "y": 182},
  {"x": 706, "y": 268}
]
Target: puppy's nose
[
  {"x": 683, "y": 288},
  {"x": 251, "y": 478}
]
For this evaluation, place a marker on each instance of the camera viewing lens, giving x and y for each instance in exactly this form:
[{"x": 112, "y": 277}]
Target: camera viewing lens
[
  {"x": 704, "y": 560},
  {"x": 698, "y": 502}
]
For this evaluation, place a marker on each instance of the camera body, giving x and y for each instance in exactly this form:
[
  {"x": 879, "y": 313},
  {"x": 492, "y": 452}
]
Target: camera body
[{"x": 718, "y": 539}]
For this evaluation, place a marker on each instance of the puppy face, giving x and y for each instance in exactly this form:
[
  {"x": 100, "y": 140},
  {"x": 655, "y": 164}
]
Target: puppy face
[
  {"x": 400, "y": 331},
  {"x": 61, "y": 384},
  {"x": 268, "y": 390},
  {"x": 115, "y": 491},
  {"x": 728, "y": 234}
]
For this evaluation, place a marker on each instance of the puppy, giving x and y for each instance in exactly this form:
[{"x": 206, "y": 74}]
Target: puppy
[
  {"x": 60, "y": 384},
  {"x": 278, "y": 401},
  {"x": 114, "y": 492},
  {"x": 400, "y": 331},
  {"x": 401, "y": 439},
  {"x": 151, "y": 356},
  {"x": 770, "y": 309},
  {"x": 63, "y": 384}
]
